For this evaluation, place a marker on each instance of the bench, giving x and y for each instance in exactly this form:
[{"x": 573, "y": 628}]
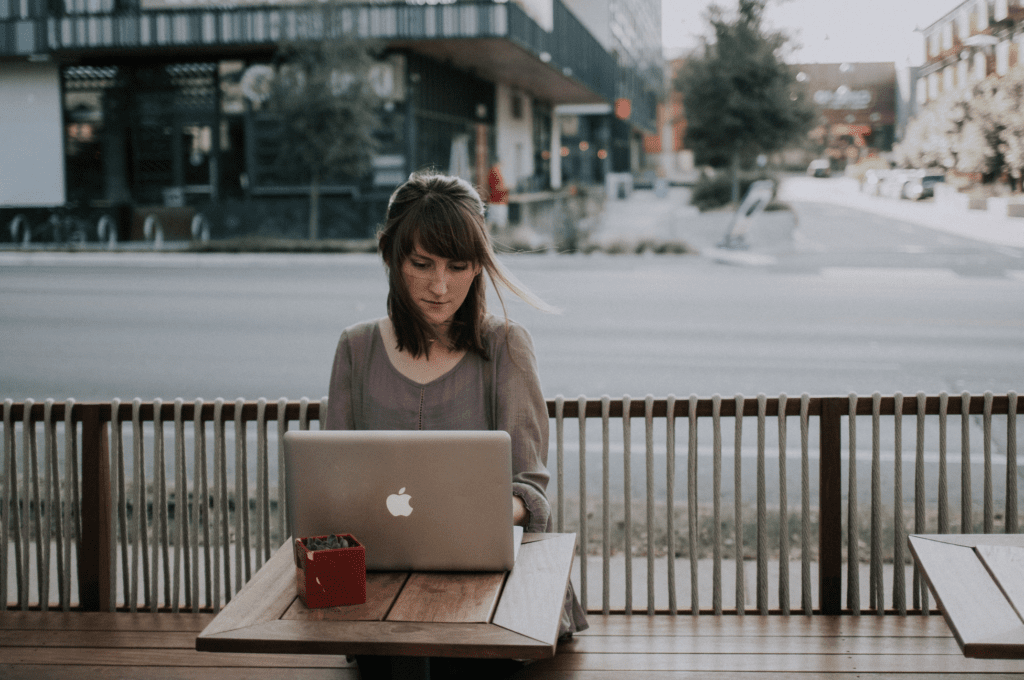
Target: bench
[{"x": 58, "y": 645}]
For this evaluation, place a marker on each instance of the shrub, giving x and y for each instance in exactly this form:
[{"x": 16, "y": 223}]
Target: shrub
[{"x": 714, "y": 192}]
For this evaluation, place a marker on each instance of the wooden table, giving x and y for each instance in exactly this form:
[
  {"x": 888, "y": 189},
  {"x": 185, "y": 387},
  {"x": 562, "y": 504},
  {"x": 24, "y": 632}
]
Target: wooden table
[
  {"x": 511, "y": 615},
  {"x": 978, "y": 581}
]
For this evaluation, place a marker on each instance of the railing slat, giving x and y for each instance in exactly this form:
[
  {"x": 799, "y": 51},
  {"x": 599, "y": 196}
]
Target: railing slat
[
  {"x": 716, "y": 494},
  {"x": 1011, "y": 463},
  {"x": 876, "y": 591},
  {"x": 606, "y": 510},
  {"x": 201, "y": 505},
  {"x": 920, "y": 517},
  {"x": 559, "y": 463},
  {"x": 282, "y": 489},
  {"x": 222, "y": 541},
  {"x": 943, "y": 491},
  {"x": 627, "y": 497},
  {"x": 262, "y": 546},
  {"x": 9, "y": 509},
  {"x": 583, "y": 533},
  {"x": 805, "y": 507},
  {"x": 117, "y": 525},
  {"x": 46, "y": 511},
  {"x": 30, "y": 494},
  {"x": 180, "y": 494},
  {"x": 649, "y": 467},
  {"x": 692, "y": 508},
  {"x": 830, "y": 545},
  {"x": 161, "y": 518},
  {"x": 738, "y": 502},
  {"x": 70, "y": 497},
  {"x": 852, "y": 517},
  {"x": 783, "y": 511},
  {"x": 899, "y": 579},
  {"x": 670, "y": 496},
  {"x": 139, "y": 483},
  {"x": 762, "y": 509},
  {"x": 966, "y": 509}
]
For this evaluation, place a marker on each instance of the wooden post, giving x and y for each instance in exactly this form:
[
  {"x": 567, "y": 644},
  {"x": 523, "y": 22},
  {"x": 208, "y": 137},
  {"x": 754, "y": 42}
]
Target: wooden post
[
  {"x": 830, "y": 515},
  {"x": 94, "y": 557}
]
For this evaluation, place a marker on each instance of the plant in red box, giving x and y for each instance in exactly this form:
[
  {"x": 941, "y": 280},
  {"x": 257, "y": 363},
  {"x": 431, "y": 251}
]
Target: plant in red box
[{"x": 331, "y": 570}]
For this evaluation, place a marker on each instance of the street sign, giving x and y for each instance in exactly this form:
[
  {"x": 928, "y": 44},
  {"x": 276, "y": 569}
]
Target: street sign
[{"x": 759, "y": 195}]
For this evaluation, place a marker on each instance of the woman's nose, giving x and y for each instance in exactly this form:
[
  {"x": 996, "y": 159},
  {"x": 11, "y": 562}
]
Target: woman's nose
[{"x": 439, "y": 282}]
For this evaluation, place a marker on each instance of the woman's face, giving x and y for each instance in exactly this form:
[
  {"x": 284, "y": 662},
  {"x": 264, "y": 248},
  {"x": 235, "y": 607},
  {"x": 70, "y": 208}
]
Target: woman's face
[{"x": 437, "y": 286}]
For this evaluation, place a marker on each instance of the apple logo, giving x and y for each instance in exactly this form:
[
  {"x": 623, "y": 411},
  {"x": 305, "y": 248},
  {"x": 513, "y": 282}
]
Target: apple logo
[{"x": 398, "y": 503}]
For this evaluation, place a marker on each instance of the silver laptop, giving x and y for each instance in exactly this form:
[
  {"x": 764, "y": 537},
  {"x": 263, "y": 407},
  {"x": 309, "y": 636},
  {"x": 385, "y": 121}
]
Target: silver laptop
[{"x": 417, "y": 500}]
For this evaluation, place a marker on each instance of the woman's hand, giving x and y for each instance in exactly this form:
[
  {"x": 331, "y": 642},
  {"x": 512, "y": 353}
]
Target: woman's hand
[{"x": 520, "y": 515}]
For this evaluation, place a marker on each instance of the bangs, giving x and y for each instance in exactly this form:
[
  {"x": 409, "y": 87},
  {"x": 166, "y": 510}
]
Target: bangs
[{"x": 442, "y": 228}]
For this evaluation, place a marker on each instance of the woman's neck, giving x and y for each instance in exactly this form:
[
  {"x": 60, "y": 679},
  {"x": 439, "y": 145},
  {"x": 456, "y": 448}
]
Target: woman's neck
[{"x": 425, "y": 367}]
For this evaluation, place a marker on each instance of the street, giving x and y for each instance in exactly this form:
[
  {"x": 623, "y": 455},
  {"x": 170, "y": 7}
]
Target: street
[{"x": 846, "y": 302}]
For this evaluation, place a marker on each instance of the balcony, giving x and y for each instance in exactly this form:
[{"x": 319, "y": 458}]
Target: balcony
[{"x": 497, "y": 41}]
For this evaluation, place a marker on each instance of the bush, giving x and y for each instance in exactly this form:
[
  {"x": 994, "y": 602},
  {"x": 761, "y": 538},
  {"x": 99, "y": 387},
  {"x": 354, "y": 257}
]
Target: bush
[{"x": 714, "y": 192}]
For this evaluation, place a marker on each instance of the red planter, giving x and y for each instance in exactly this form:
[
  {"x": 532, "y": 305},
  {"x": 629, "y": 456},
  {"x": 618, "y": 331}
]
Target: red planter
[{"x": 331, "y": 578}]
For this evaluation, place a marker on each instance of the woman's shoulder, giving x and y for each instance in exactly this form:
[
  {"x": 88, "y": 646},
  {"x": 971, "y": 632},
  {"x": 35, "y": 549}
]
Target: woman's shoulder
[
  {"x": 361, "y": 334},
  {"x": 501, "y": 332}
]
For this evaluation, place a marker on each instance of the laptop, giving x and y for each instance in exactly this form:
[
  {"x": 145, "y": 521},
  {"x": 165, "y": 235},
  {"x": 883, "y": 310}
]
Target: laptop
[{"x": 417, "y": 500}]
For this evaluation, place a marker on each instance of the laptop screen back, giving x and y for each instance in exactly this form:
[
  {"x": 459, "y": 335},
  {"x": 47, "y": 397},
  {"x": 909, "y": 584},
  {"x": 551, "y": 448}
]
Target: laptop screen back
[{"x": 417, "y": 500}]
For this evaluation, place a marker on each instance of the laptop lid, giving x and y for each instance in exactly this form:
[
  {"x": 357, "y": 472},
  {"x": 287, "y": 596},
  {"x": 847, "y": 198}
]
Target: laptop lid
[{"x": 417, "y": 500}]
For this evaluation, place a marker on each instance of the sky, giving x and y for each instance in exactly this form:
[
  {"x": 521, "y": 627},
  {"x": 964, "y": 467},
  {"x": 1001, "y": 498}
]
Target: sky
[{"x": 826, "y": 31}]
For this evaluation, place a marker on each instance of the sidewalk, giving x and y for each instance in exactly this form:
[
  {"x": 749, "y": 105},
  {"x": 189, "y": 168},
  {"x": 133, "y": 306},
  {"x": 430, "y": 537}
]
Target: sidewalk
[
  {"x": 644, "y": 218},
  {"x": 979, "y": 225}
]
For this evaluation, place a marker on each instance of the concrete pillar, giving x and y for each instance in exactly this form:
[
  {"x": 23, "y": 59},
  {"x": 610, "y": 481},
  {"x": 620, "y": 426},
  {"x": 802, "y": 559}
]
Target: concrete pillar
[{"x": 556, "y": 152}]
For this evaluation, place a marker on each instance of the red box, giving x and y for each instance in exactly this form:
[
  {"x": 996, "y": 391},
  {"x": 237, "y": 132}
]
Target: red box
[{"x": 331, "y": 578}]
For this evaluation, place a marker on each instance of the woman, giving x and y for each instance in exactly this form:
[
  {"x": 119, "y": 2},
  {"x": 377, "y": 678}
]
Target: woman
[{"x": 439, "y": 361}]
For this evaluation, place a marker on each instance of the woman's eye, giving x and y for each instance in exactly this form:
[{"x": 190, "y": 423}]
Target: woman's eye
[
  {"x": 459, "y": 266},
  {"x": 419, "y": 265}
]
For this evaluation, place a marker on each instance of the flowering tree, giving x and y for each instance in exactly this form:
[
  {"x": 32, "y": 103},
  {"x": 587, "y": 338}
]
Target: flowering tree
[
  {"x": 979, "y": 130},
  {"x": 1011, "y": 137}
]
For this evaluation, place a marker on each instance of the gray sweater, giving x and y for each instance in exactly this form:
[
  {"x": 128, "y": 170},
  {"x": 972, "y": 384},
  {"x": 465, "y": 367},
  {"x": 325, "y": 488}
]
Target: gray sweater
[{"x": 368, "y": 393}]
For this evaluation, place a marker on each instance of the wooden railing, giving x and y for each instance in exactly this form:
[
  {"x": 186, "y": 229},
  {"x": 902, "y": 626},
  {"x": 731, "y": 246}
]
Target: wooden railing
[{"x": 79, "y": 496}]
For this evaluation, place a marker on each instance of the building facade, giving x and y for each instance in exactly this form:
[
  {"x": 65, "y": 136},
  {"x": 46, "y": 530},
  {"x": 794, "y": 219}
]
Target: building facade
[
  {"x": 858, "y": 103},
  {"x": 127, "y": 107},
  {"x": 974, "y": 40}
]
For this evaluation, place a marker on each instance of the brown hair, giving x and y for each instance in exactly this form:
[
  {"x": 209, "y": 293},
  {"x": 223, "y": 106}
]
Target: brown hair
[{"x": 445, "y": 217}]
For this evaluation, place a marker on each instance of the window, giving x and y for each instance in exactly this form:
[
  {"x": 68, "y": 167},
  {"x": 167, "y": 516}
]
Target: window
[{"x": 1003, "y": 57}]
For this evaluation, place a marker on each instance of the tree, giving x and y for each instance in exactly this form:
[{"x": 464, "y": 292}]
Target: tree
[
  {"x": 327, "y": 108},
  {"x": 976, "y": 130},
  {"x": 741, "y": 100}
]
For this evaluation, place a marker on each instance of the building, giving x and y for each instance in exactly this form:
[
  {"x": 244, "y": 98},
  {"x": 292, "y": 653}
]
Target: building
[
  {"x": 133, "y": 108},
  {"x": 607, "y": 141},
  {"x": 972, "y": 41},
  {"x": 859, "y": 102}
]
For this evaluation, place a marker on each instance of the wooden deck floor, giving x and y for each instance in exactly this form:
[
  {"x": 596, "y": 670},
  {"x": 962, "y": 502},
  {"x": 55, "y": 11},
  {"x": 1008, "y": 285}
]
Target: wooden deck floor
[{"x": 40, "y": 645}]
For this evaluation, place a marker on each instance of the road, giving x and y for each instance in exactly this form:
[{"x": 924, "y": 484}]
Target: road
[{"x": 848, "y": 302}]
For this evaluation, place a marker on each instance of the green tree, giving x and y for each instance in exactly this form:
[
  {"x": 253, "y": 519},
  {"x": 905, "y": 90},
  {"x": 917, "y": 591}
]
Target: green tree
[
  {"x": 740, "y": 98},
  {"x": 327, "y": 109}
]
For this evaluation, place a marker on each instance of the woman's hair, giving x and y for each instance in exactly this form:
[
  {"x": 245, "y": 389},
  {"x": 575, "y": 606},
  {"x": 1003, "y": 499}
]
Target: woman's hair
[{"x": 445, "y": 217}]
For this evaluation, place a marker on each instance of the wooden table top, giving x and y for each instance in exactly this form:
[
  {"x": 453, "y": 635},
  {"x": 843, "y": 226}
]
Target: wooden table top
[
  {"x": 978, "y": 581},
  {"x": 498, "y": 615}
]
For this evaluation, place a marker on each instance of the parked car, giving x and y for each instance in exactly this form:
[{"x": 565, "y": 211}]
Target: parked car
[
  {"x": 820, "y": 167},
  {"x": 921, "y": 184}
]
